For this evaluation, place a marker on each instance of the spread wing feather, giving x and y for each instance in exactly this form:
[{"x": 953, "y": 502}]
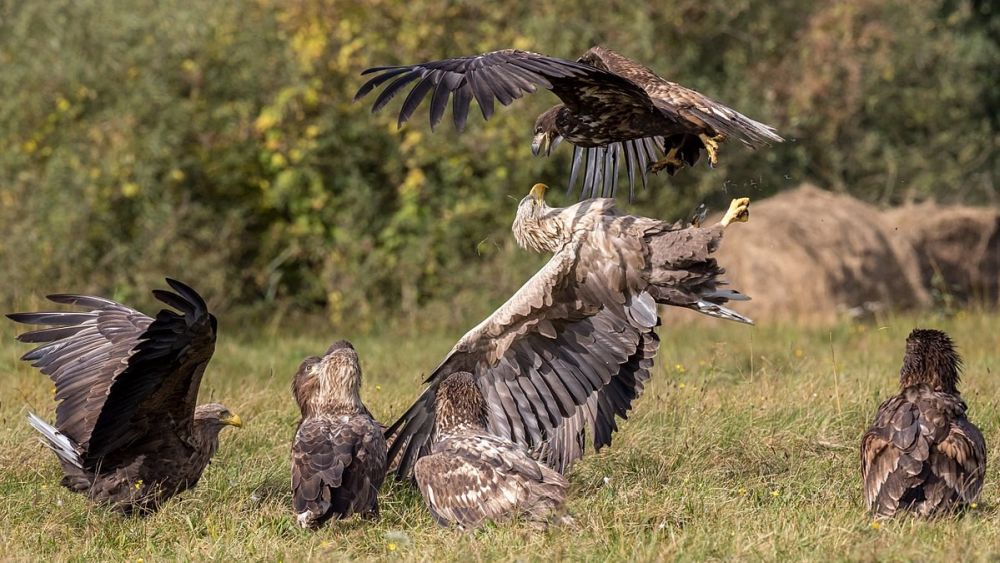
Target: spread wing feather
[
  {"x": 83, "y": 353},
  {"x": 116, "y": 370},
  {"x": 506, "y": 76},
  {"x": 503, "y": 76},
  {"x": 568, "y": 442},
  {"x": 568, "y": 332},
  {"x": 687, "y": 105}
]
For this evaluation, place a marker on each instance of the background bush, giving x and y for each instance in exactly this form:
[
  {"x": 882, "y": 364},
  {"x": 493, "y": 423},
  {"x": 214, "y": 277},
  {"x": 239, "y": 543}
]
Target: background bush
[{"x": 216, "y": 141}]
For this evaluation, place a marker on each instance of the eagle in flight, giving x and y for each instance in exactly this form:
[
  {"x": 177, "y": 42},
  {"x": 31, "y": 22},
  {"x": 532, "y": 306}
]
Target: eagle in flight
[
  {"x": 615, "y": 111},
  {"x": 128, "y": 432},
  {"x": 571, "y": 350},
  {"x": 922, "y": 454}
]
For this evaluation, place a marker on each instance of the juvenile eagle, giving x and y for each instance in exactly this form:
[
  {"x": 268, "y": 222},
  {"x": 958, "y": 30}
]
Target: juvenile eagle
[
  {"x": 921, "y": 453},
  {"x": 572, "y": 348},
  {"x": 127, "y": 430},
  {"x": 471, "y": 476},
  {"x": 614, "y": 110},
  {"x": 338, "y": 456}
]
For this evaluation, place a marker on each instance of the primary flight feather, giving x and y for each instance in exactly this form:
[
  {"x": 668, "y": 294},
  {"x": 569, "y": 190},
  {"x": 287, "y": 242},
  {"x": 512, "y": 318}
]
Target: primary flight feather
[
  {"x": 616, "y": 112},
  {"x": 128, "y": 431}
]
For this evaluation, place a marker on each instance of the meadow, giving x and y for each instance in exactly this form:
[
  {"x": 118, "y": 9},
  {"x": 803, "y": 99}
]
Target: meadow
[{"x": 744, "y": 447}]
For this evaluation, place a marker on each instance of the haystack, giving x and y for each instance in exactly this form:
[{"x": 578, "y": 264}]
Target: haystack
[
  {"x": 812, "y": 255},
  {"x": 957, "y": 248}
]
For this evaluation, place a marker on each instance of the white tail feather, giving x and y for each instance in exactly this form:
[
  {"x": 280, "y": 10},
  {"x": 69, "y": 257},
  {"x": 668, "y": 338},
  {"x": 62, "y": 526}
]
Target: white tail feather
[
  {"x": 56, "y": 441},
  {"x": 730, "y": 294},
  {"x": 721, "y": 312}
]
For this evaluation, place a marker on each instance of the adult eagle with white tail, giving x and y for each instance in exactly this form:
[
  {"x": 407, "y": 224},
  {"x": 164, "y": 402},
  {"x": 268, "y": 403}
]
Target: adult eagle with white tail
[
  {"x": 128, "y": 429},
  {"x": 571, "y": 350},
  {"x": 615, "y": 111}
]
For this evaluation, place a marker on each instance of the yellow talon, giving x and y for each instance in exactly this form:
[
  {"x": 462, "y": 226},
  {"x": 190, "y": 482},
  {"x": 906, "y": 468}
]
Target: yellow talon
[
  {"x": 712, "y": 146},
  {"x": 739, "y": 212},
  {"x": 671, "y": 162}
]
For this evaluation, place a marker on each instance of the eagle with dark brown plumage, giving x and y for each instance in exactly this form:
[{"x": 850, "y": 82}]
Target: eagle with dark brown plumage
[
  {"x": 471, "y": 476},
  {"x": 571, "y": 350},
  {"x": 338, "y": 456},
  {"x": 127, "y": 430},
  {"x": 615, "y": 111},
  {"x": 921, "y": 453}
]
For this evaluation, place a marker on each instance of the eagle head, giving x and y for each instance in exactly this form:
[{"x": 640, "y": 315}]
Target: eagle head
[
  {"x": 217, "y": 415},
  {"x": 534, "y": 228},
  {"x": 547, "y": 135},
  {"x": 930, "y": 360},
  {"x": 331, "y": 383}
]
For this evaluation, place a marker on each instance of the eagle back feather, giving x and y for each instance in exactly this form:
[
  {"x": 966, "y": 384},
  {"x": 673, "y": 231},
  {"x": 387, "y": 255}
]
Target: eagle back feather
[
  {"x": 338, "y": 465},
  {"x": 921, "y": 454},
  {"x": 470, "y": 479}
]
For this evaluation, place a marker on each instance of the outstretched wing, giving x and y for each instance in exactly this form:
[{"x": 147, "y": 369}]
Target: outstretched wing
[
  {"x": 569, "y": 331},
  {"x": 323, "y": 454},
  {"x": 567, "y": 443},
  {"x": 697, "y": 110},
  {"x": 82, "y": 352},
  {"x": 160, "y": 386},
  {"x": 503, "y": 76},
  {"x": 118, "y": 372},
  {"x": 472, "y": 479},
  {"x": 508, "y": 75}
]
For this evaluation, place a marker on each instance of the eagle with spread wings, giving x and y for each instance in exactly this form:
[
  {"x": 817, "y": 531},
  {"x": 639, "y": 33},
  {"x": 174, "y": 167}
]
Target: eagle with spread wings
[
  {"x": 615, "y": 111},
  {"x": 922, "y": 454},
  {"x": 128, "y": 432},
  {"x": 338, "y": 455},
  {"x": 571, "y": 350}
]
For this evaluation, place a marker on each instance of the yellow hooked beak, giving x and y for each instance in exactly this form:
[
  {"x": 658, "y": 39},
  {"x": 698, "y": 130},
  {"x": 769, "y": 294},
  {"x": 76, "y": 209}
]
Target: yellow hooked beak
[
  {"x": 232, "y": 420},
  {"x": 538, "y": 192}
]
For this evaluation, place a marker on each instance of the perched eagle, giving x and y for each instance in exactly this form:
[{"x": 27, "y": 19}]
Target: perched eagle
[
  {"x": 127, "y": 430},
  {"x": 615, "y": 111},
  {"x": 338, "y": 456},
  {"x": 921, "y": 453},
  {"x": 571, "y": 350},
  {"x": 471, "y": 476}
]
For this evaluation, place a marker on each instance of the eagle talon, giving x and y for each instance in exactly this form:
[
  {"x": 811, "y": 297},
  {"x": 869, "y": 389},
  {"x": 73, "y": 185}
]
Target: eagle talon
[
  {"x": 671, "y": 162},
  {"x": 739, "y": 212},
  {"x": 712, "y": 147}
]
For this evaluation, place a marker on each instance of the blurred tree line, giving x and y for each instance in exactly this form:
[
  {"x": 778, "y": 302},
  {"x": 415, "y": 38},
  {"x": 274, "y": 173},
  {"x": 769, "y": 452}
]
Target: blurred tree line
[{"x": 217, "y": 142}]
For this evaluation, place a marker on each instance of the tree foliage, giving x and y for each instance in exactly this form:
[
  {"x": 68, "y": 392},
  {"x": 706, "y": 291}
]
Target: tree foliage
[{"x": 217, "y": 141}]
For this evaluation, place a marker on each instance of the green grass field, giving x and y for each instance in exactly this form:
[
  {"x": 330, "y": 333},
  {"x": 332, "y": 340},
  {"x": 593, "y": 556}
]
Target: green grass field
[{"x": 743, "y": 447}]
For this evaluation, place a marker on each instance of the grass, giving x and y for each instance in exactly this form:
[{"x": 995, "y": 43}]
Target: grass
[{"x": 743, "y": 447}]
